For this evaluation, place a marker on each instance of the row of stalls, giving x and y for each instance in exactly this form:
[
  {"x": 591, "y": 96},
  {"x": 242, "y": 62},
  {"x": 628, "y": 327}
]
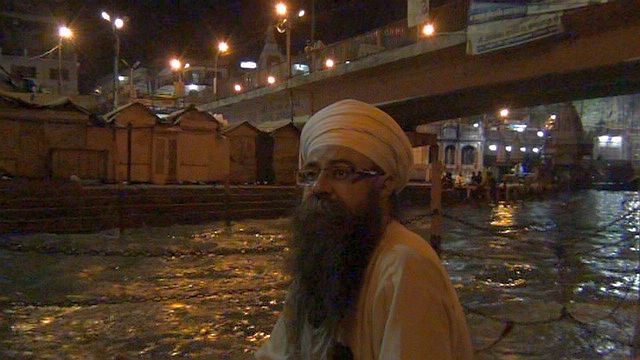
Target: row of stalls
[
  {"x": 58, "y": 139},
  {"x": 192, "y": 146},
  {"x": 187, "y": 146},
  {"x": 131, "y": 143},
  {"x": 264, "y": 154}
]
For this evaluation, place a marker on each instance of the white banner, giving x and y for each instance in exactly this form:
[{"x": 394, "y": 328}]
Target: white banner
[
  {"x": 546, "y": 6},
  {"x": 495, "y": 35},
  {"x": 486, "y": 11},
  {"x": 417, "y": 12}
]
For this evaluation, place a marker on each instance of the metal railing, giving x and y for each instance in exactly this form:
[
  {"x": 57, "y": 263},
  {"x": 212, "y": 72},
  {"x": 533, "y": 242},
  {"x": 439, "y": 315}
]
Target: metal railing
[{"x": 392, "y": 36}]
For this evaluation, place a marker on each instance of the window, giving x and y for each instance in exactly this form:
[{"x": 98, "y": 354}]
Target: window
[
  {"x": 22, "y": 72},
  {"x": 53, "y": 74},
  {"x": 450, "y": 155},
  {"x": 450, "y": 132},
  {"x": 468, "y": 155}
]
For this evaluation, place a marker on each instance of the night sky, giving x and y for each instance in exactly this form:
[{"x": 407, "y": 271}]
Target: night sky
[{"x": 160, "y": 29}]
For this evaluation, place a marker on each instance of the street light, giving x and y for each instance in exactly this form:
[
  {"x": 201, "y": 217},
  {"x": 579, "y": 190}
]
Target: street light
[
  {"x": 284, "y": 26},
  {"x": 429, "y": 29},
  {"x": 132, "y": 89},
  {"x": 116, "y": 25},
  {"x": 63, "y": 33},
  {"x": 177, "y": 66},
  {"x": 237, "y": 87},
  {"x": 329, "y": 63},
  {"x": 271, "y": 80},
  {"x": 281, "y": 9},
  {"x": 223, "y": 47}
]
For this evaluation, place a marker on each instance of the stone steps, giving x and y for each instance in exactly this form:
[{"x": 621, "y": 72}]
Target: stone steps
[
  {"x": 67, "y": 209},
  {"x": 116, "y": 200},
  {"x": 138, "y": 208},
  {"x": 97, "y": 223}
]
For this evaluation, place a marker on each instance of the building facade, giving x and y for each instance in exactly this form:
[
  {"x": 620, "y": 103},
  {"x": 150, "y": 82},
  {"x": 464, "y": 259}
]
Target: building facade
[{"x": 28, "y": 37}]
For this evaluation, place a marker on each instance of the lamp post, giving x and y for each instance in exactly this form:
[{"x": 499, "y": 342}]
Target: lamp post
[
  {"x": 179, "y": 68},
  {"x": 132, "y": 89},
  {"x": 63, "y": 33},
  {"x": 176, "y": 65},
  {"x": 116, "y": 25},
  {"x": 284, "y": 26},
  {"x": 223, "y": 47}
]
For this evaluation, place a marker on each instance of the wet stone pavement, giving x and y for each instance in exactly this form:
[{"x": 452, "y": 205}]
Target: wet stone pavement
[{"x": 556, "y": 278}]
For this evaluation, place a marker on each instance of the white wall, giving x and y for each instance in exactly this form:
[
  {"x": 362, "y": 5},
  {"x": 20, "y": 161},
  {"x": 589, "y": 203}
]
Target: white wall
[{"x": 43, "y": 66}]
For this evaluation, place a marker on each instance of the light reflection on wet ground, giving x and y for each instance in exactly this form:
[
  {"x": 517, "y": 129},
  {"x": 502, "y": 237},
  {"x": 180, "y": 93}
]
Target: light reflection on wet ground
[{"x": 550, "y": 286}]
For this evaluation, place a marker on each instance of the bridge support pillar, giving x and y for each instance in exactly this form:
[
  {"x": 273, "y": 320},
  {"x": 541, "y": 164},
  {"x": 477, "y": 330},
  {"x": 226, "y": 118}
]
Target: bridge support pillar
[{"x": 435, "y": 238}]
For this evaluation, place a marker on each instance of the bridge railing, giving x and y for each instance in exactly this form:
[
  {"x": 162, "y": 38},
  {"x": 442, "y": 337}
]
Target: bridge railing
[
  {"x": 313, "y": 59},
  {"x": 450, "y": 17}
]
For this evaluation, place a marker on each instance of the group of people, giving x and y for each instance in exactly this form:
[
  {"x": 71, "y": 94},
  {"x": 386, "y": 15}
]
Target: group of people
[{"x": 461, "y": 180}]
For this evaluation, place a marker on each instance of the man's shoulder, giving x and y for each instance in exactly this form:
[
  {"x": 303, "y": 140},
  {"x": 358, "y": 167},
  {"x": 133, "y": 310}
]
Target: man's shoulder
[
  {"x": 401, "y": 248},
  {"x": 402, "y": 242}
]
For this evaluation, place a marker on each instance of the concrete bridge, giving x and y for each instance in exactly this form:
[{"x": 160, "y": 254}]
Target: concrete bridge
[{"x": 431, "y": 79}]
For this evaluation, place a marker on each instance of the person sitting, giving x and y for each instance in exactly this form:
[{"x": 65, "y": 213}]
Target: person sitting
[
  {"x": 447, "y": 181},
  {"x": 374, "y": 289},
  {"x": 460, "y": 181},
  {"x": 478, "y": 178}
]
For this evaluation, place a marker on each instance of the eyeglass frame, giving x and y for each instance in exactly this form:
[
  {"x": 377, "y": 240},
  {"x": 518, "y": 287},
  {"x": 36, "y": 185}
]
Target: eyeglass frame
[{"x": 355, "y": 174}]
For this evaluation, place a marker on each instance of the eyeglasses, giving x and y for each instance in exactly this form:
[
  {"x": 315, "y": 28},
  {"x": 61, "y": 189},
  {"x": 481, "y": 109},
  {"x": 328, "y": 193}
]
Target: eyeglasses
[{"x": 340, "y": 173}]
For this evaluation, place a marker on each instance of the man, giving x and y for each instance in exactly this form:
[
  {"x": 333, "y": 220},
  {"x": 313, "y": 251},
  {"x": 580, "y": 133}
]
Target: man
[{"x": 363, "y": 285}]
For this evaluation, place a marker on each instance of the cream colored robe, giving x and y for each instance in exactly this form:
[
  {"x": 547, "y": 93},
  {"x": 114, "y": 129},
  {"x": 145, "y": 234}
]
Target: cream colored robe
[{"x": 407, "y": 308}]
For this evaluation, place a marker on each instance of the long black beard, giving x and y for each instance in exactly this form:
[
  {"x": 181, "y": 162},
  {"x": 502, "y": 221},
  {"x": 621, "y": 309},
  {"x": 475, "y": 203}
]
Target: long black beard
[{"x": 331, "y": 248}]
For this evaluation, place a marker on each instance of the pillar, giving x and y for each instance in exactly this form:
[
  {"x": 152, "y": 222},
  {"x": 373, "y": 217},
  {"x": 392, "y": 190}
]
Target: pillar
[{"x": 435, "y": 238}]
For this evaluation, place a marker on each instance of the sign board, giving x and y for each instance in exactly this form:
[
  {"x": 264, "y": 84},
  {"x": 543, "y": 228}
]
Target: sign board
[
  {"x": 546, "y": 6},
  {"x": 482, "y": 12},
  {"x": 417, "y": 12},
  {"x": 502, "y": 34},
  {"x": 499, "y": 24}
]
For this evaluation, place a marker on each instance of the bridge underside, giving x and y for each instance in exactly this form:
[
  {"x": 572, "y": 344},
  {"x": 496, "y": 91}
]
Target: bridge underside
[
  {"x": 597, "y": 55},
  {"x": 553, "y": 88}
]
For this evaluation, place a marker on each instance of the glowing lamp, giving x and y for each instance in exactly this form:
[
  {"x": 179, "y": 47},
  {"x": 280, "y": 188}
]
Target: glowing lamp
[
  {"x": 329, "y": 63},
  {"x": 428, "y": 30},
  {"x": 64, "y": 32}
]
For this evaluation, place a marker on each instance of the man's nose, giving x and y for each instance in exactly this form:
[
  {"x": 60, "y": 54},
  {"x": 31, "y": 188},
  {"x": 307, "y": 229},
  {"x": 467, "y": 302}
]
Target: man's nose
[{"x": 323, "y": 184}]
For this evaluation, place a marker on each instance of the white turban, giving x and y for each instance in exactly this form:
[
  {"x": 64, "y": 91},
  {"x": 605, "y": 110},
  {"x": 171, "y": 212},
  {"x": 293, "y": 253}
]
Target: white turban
[{"x": 365, "y": 129}]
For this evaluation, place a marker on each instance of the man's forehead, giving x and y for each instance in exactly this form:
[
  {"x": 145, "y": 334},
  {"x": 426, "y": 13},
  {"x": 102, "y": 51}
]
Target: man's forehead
[{"x": 335, "y": 154}]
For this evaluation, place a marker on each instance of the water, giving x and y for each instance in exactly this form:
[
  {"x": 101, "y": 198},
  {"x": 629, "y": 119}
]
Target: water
[{"x": 537, "y": 279}]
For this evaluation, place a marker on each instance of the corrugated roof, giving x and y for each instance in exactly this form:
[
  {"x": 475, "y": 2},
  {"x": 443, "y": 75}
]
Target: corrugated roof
[
  {"x": 62, "y": 103},
  {"x": 232, "y": 127},
  {"x": 271, "y": 126},
  {"x": 110, "y": 116},
  {"x": 174, "y": 117}
]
